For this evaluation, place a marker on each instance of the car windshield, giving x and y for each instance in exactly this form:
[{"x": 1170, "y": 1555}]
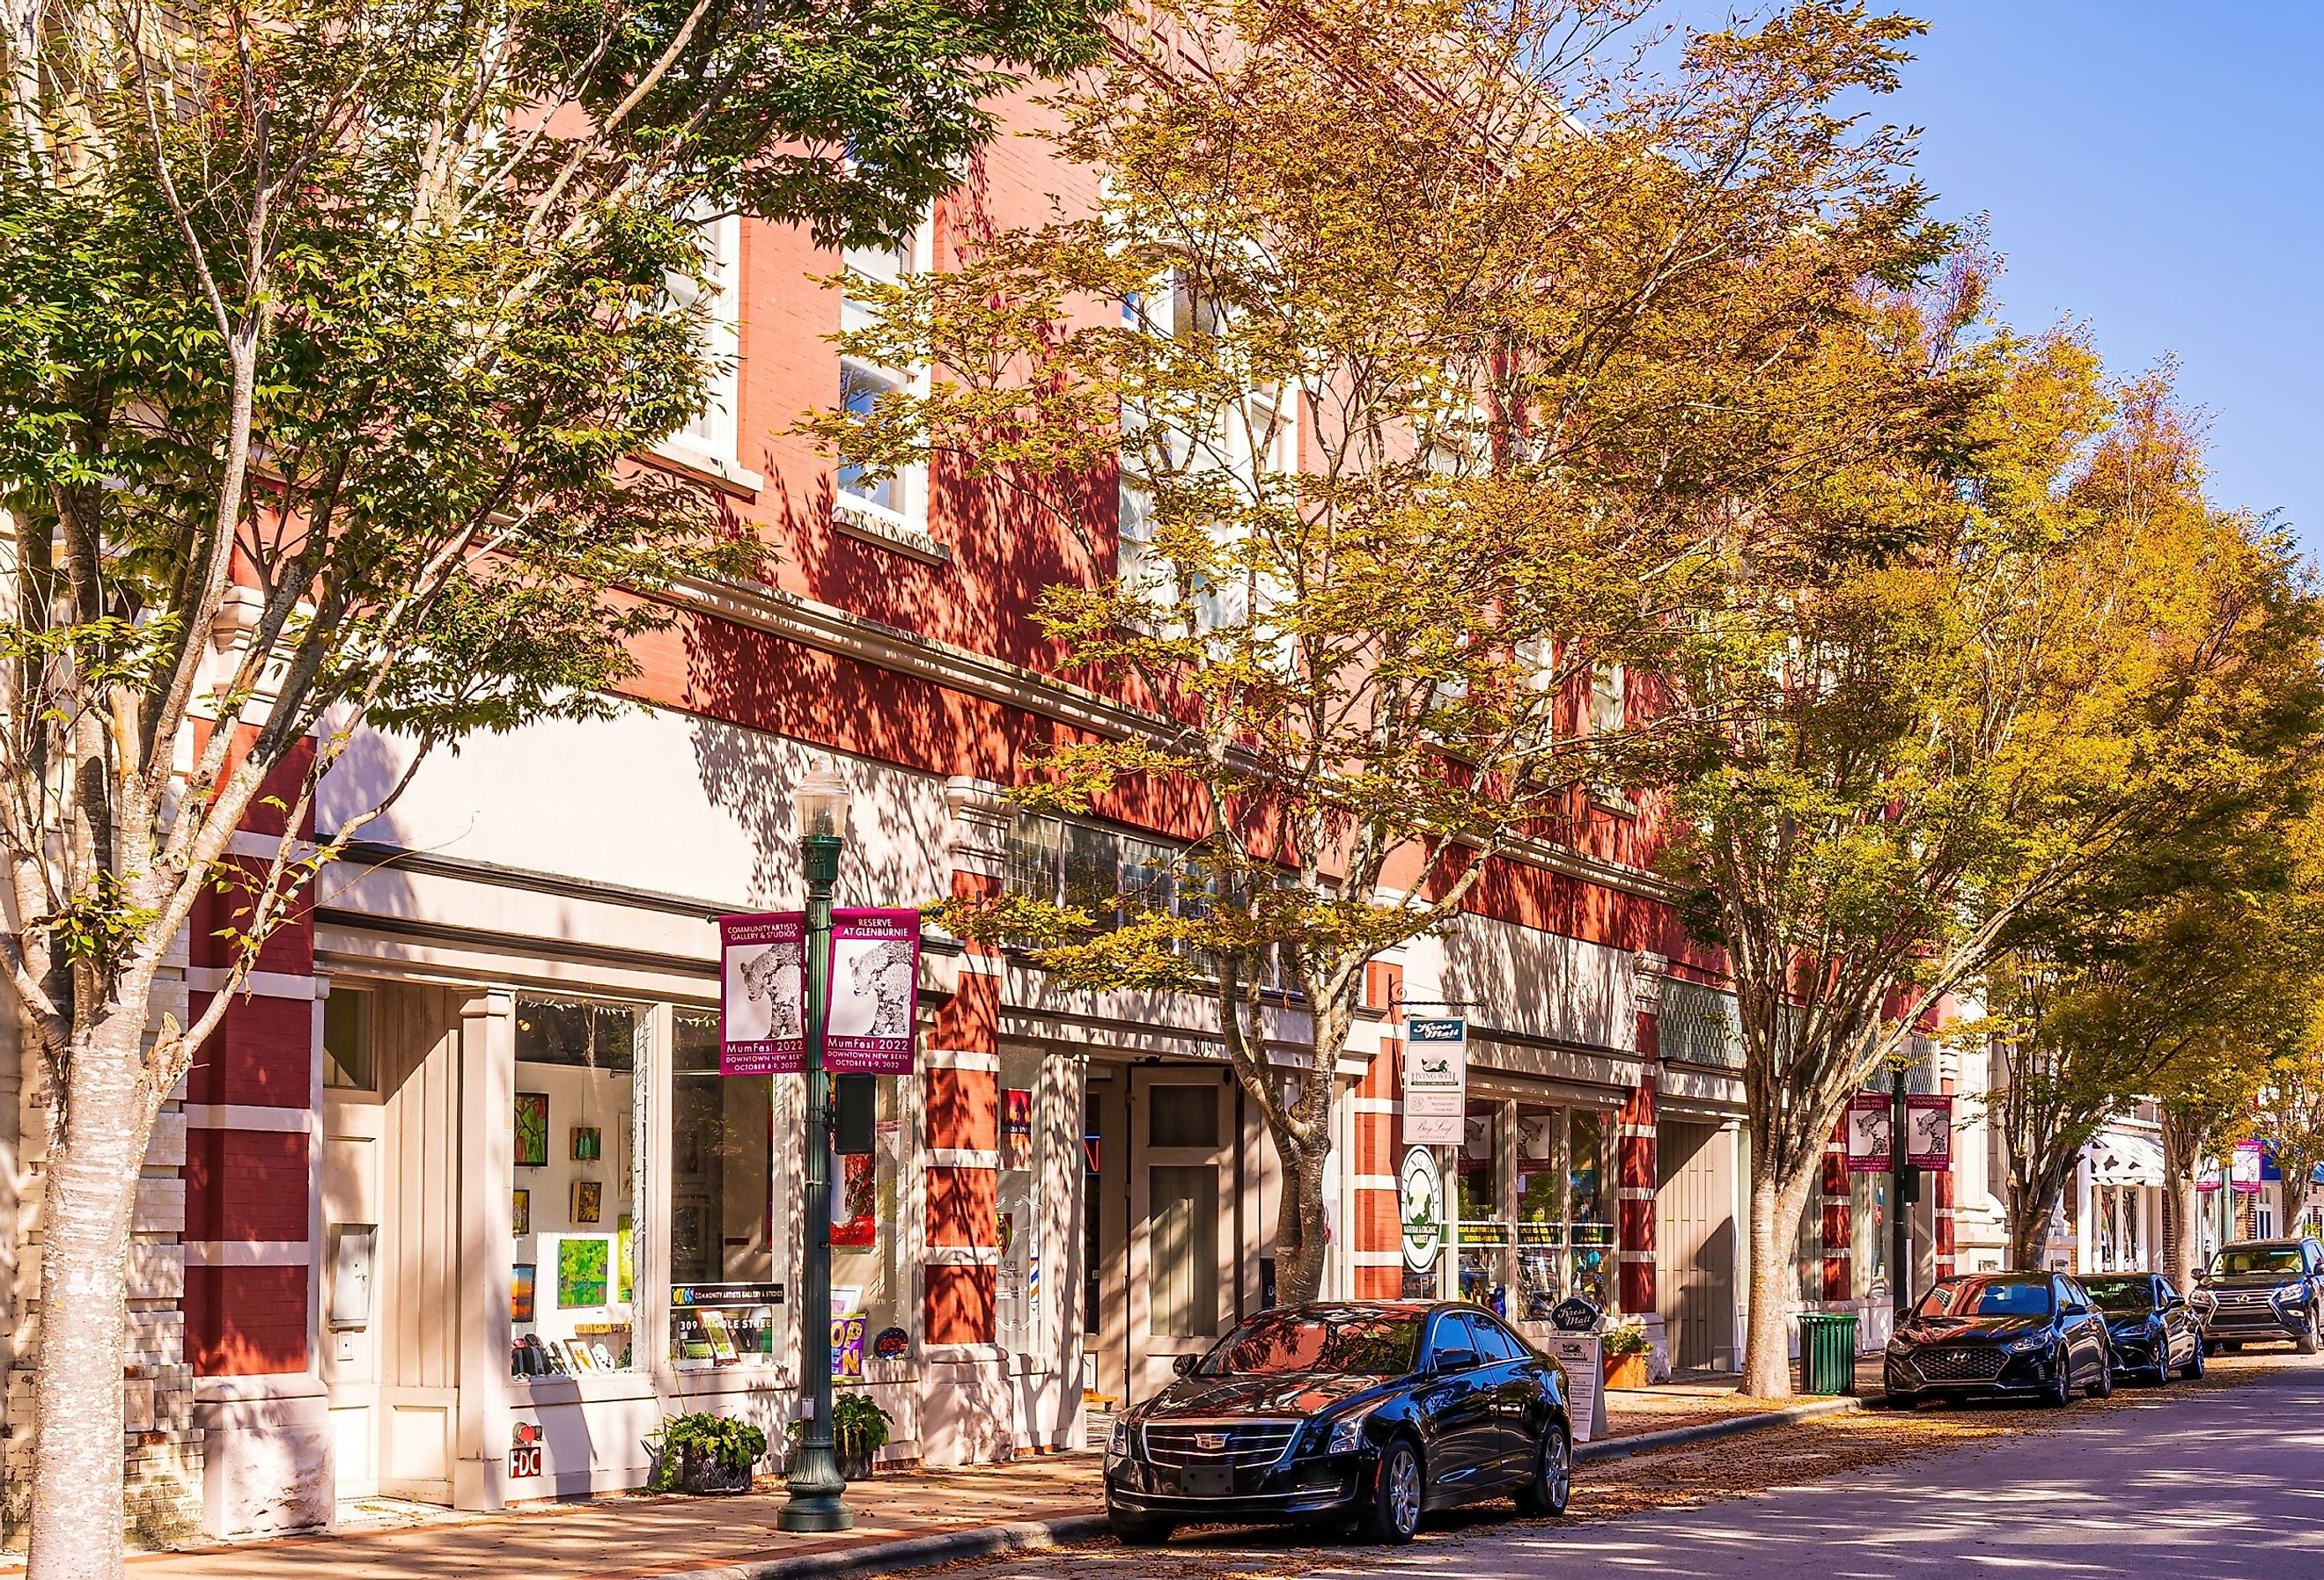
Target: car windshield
[
  {"x": 1986, "y": 1298},
  {"x": 2121, "y": 1294},
  {"x": 2237, "y": 1259},
  {"x": 1285, "y": 1342}
]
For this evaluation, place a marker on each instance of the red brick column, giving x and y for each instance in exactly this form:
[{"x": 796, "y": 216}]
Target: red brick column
[
  {"x": 251, "y": 1097},
  {"x": 1638, "y": 1172},
  {"x": 1377, "y": 1236},
  {"x": 1839, "y": 1210},
  {"x": 960, "y": 1285}
]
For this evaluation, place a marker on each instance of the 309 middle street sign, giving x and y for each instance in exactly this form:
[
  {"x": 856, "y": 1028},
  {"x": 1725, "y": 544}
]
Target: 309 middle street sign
[{"x": 869, "y": 1023}]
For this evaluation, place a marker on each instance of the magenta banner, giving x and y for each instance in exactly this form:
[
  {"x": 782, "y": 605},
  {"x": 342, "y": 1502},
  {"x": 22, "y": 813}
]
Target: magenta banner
[
  {"x": 1867, "y": 1133},
  {"x": 875, "y": 976},
  {"x": 762, "y": 995},
  {"x": 1929, "y": 1130}
]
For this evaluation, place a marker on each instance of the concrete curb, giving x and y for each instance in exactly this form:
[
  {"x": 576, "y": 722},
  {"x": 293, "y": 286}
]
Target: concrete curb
[
  {"x": 924, "y": 1552},
  {"x": 1705, "y": 1431}
]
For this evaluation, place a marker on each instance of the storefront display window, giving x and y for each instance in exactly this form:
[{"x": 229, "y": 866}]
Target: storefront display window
[
  {"x": 1020, "y": 1280},
  {"x": 1564, "y": 1208},
  {"x": 573, "y": 1197},
  {"x": 1868, "y": 1226},
  {"x": 867, "y": 1271},
  {"x": 725, "y": 1303},
  {"x": 1485, "y": 1230}
]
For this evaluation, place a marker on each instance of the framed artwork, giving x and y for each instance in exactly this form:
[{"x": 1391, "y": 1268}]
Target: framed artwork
[
  {"x": 582, "y": 1263},
  {"x": 624, "y": 1254},
  {"x": 589, "y": 1143},
  {"x": 520, "y": 1212},
  {"x": 533, "y": 1129},
  {"x": 520, "y": 1292},
  {"x": 588, "y": 1201}
]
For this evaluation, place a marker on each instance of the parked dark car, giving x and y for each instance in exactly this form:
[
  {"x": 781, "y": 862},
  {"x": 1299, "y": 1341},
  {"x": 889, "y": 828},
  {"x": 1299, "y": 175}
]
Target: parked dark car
[
  {"x": 2153, "y": 1330},
  {"x": 2260, "y": 1289},
  {"x": 1363, "y": 1413},
  {"x": 1992, "y": 1334}
]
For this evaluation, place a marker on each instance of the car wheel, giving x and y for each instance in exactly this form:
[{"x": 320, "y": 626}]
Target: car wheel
[
  {"x": 1544, "y": 1496},
  {"x": 1138, "y": 1533},
  {"x": 1898, "y": 1399},
  {"x": 2193, "y": 1369},
  {"x": 1394, "y": 1516},
  {"x": 2306, "y": 1341},
  {"x": 2062, "y": 1386},
  {"x": 2104, "y": 1387}
]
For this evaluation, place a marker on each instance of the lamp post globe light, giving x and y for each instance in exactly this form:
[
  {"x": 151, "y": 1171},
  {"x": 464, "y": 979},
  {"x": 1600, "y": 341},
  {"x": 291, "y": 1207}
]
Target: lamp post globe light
[{"x": 818, "y": 1501}]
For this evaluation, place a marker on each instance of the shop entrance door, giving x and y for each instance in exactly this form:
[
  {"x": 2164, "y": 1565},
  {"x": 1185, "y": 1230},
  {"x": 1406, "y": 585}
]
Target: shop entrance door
[
  {"x": 1695, "y": 1244},
  {"x": 1182, "y": 1239}
]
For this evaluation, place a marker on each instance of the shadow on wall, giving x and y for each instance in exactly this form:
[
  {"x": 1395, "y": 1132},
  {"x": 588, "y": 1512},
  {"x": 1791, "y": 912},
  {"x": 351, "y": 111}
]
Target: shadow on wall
[{"x": 1539, "y": 983}]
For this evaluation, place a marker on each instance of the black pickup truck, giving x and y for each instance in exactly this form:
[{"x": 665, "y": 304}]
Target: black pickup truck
[{"x": 2262, "y": 1289}]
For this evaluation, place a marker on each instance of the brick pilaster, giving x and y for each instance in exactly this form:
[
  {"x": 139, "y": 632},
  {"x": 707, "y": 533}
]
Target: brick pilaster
[
  {"x": 1377, "y": 1234},
  {"x": 960, "y": 1285},
  {"x": 1638, "y": 1171},
  {"x": 1838, "y": 1209}
]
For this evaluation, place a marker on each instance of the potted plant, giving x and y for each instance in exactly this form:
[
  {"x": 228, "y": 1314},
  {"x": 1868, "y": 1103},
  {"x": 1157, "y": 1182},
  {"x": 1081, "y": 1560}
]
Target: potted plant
[
  {"x": 706, "y": 1454},
  {"x": 1625, "y": 1346},
  {"x": 858, "y": 1430}
]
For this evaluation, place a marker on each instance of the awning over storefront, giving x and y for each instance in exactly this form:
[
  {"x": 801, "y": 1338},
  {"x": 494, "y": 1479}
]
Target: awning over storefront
[{"x": 2119, "y": 1159}]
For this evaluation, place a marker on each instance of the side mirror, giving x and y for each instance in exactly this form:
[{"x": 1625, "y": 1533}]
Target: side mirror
[
  {"x": 2173, "y": 1301},
  {"x": 2073, "y": 1308},
  {"x": 1184, "y": 1365}
]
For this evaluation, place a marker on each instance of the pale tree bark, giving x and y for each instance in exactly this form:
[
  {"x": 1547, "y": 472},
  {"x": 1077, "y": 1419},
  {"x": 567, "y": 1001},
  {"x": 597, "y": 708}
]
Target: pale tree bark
[
  {"x": 2182, "y": 1145},
  {"x": 1777, "y": 1202}
]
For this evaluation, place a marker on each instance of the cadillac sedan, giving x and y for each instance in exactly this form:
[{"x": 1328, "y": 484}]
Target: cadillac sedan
[
  {"x": 1992, "y": 1334},
  {"x": 1365, "y": 1414}
]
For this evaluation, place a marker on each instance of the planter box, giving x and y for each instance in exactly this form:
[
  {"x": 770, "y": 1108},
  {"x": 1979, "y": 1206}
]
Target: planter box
[
  {"x": 1626, "y": 1371},
  {"x": 707, "y": 1477},
  {"x": 855, "y": 1464}
]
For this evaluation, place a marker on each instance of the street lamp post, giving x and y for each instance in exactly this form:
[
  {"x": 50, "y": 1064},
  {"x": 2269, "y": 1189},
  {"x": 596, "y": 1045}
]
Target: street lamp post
[
  {"x": 1903, "y": 1179},
  {"x": 818, "y": 1501}
]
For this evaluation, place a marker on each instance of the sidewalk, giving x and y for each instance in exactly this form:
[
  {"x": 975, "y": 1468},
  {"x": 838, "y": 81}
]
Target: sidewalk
[{"x": 633, "y": 1536}]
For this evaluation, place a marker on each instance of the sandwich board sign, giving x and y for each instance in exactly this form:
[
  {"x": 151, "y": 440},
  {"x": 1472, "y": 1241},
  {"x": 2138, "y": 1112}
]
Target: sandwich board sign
[{"x": 1435, "y": 1081}]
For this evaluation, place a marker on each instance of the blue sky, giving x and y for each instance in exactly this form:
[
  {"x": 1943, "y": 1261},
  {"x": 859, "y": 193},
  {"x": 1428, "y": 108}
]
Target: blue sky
[{"x": 2152, "y": 168}]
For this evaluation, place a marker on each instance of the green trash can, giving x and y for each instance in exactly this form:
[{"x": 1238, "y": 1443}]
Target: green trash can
[{"x": 1827, "y": 1352}]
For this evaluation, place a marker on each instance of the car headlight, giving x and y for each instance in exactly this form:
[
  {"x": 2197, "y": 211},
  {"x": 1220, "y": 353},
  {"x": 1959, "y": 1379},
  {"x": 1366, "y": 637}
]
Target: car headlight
[
  {"x": 2028, "y": 1342},
  {"x": 2285, "y": 1294},
  {"x": 1347, "y": 1433},
  {"x": 1117, "y": 1447}
]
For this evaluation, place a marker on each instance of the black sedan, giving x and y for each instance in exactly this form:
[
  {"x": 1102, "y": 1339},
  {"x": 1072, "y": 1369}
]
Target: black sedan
[
  {"x": 2153, "y": 1329},
  {"x": 1365, "y": 1413},
  {"x": 2000, "y": 1333}
]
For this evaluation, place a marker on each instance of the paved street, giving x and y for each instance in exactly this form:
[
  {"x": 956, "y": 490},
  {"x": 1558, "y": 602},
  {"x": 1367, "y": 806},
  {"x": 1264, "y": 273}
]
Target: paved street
[{"x": 2217, "y": 1482}]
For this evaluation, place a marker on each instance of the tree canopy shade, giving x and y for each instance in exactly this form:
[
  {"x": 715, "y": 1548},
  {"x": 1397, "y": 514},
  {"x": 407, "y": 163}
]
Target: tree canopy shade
[
  {"x": 2075, "y": 661},
  {"x": 327, "y": 333},
  {"x": 1428, "y": 358}
]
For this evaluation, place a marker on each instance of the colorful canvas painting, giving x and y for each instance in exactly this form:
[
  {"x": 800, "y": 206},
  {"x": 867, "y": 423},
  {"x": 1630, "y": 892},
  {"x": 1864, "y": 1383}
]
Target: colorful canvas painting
[
  {"x": 533, "y": 1129},
  {"x": 520, "y": 1292},
  {"x": 589, "y": 1143},
  {"x": 520, "y": 1212},
  {"x": 588, "y": 1200},
  {"x": 581, "y": 1262},
  {"x": 624, "y": 1256}
]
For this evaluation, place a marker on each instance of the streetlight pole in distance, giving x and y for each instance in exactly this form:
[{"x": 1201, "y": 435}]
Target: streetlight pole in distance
[{"x": 818, "y": 1501}]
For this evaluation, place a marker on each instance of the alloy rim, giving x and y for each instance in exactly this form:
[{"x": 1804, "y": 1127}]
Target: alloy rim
[
  {"x": 1558, "y": 1466},
  {"x": 1404, "y": 1491}
]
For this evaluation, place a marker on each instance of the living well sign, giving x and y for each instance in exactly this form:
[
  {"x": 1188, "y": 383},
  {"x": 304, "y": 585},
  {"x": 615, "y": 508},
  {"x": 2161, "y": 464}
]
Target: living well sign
[{"x": 1435, "y": 1081}]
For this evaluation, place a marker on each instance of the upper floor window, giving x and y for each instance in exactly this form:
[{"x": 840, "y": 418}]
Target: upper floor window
[
  {"x": 713, "y": 435},
  {"x": 1610, "y": 699},
  {"x": 897, "y": 498}
]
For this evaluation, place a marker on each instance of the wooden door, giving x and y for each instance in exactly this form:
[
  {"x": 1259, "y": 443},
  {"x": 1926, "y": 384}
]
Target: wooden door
[{"x": 1182, "y": 1243}]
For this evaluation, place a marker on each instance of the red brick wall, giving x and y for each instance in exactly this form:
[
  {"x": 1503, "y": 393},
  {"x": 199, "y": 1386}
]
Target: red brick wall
[
  {"x": 245, "y": 1185},
  {"x": 243, "y": 1321},
  {"x": 262, "y": 1054}
]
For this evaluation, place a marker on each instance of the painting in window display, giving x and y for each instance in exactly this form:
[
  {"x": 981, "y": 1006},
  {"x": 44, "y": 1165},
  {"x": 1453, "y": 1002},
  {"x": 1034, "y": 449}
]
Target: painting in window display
[
  {"x": 577, "y": 1060},
  {"x": 725, "y": 1296},
  {"x": 1484, "y": 1232}
]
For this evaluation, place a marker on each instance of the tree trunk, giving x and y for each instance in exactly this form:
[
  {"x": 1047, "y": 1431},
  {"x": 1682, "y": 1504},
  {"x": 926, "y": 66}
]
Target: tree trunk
[
  {"x": 1775, "y": 1206},
  {"x": 2182, "y": 1210},
  {"x": 90, "y": 1193},
  {"x": 1299, "y": 1239},
  {"x": 2032, "y": 1208}
]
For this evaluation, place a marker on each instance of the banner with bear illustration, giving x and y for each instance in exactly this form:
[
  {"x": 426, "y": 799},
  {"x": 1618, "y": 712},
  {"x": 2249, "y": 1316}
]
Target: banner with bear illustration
[
  {"x": 762, "y": 995},
  {"x": 875, "y": 974}
]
